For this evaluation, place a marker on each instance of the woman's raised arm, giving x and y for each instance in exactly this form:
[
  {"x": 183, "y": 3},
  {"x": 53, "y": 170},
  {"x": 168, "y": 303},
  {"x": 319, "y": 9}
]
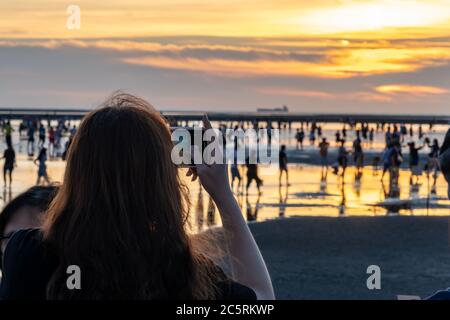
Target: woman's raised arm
[{"x": 247, "y": 263}]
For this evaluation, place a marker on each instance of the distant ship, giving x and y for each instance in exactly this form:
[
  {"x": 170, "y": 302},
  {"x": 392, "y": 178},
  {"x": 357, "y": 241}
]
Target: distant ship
[{"x": 284, "y": 109}]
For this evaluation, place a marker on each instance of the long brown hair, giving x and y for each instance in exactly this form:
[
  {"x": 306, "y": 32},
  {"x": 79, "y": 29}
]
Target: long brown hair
[{"x": 121, "y": 212}]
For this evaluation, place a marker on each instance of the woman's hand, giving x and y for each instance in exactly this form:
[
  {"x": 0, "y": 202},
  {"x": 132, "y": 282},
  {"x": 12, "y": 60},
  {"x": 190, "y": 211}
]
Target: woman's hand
[{"x": 214, "y": 177}]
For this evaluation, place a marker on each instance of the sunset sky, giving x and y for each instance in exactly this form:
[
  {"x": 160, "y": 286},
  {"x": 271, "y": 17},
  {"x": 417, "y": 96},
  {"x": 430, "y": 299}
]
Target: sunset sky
[{"x": 385, "y": 56}]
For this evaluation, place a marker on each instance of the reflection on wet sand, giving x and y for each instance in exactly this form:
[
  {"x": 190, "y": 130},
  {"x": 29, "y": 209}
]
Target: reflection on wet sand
[
  {"x": 343, "y": 203},
  {"x": 311, "y": 193},
  {"x": 7, "y": 194},
  {"x": 252, "y": 208},
  {"x": 284, "y": 193}
]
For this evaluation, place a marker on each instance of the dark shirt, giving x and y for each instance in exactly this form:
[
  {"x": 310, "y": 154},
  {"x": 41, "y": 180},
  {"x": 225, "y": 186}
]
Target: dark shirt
[
  {"x": 395, "y": 158},
  {"x": 10, "y": 157},
  {"x": 28, "y": 266},
  {"x": 357, "y": 146},
  {"x": 31, "y": 133},
  {"x": 282, "y": 158},
  {"x": 434, "y": 151},
  {"x": 413, "y": 156}
]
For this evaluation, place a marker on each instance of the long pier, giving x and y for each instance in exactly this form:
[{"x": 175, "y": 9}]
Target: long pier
[{"x": 282, "y": 117}]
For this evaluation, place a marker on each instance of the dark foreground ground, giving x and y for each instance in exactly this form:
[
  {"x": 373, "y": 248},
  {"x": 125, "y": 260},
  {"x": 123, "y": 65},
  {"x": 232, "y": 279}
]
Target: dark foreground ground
[{"x": 327, "y": 258}]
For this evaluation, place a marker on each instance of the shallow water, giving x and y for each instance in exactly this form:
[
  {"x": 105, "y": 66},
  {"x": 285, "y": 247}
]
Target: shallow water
[
  {"x": 310, "y": 195},
  {"x": 307, "y": 195}
]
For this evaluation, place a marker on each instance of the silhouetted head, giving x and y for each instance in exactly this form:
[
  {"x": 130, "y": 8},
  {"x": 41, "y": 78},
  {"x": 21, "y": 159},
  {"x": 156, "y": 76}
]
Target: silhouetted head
[
  {"x": 122, "y": 210},
  {"x": 435, "y": 142},
  {"x": 24, "y": 211},
  {"x": 283, "y": 147}
]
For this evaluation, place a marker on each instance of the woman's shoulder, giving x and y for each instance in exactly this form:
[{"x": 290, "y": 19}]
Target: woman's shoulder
[
  {"x": 26, "y": 244},
  {"x": 27, "y": 266},
  {"x": 23, "y": 239},
  {"x": 227, "y": 289}
]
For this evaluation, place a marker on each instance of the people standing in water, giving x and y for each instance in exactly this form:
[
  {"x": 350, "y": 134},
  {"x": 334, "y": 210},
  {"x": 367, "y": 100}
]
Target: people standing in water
[
  {"x": 323, "y": 151},
  {"x": 234, "y": 168},
  {"x": 392, "y": 160},
  {"x": 338, "y": 137},
  {"x": 42, "y": 166},
  {"x": 51, "y": 142},
  {"x": 252, "y": 174},
  {"x": 300, "y": 136},
  {"x": 312, "y": 135},
  {"x": 41, "y": 135},
  {"x": 125, "y": 193},
  {"x": 10, "y": 162},
  {"x": 395, "y": 159},
  {"x": 396, "y": 137},
  {"x": 371, "y": 136},
  {"x": 434, "y": 154},
  {"x": 66, "y": 148},
  {"x": 388, "y": 137},
  {"x": 269, "y": 133},
  {"x": 58, "y": 139},
  {"x": 342, "y": 159},
  {"x": 358, "y": 154},
  {"x": 31, "y": 133},
  {"x": 414, "y": 167},
  {"x": 8, "y": 129},
  {"x": 73, "y": 130},
  {"x": 22, "y": 128},
  {"x": 432, "y": 166},
  {"x": 283, "y": 162},
  {"x": 386, "y": 160}
]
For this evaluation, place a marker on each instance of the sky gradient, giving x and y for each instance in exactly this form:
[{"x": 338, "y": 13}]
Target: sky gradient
[{"x": 333, "y": 56}]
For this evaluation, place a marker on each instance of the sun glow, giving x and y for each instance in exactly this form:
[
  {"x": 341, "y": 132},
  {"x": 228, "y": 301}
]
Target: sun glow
[{"x": 374, "y": 16}]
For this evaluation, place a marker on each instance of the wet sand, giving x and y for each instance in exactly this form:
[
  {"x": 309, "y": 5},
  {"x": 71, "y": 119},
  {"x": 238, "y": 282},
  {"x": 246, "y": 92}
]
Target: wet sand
[{"x": 327, "y": 258}]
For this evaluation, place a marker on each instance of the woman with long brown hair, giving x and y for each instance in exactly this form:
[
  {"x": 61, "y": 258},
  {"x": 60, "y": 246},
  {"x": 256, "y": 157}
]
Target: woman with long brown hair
[{"x": 121, "y": 215}]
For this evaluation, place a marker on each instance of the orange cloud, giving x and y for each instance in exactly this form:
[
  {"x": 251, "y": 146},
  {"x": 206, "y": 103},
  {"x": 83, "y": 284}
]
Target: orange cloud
[
  {"x": 394, "y": 89},
  {"x": 256, "y": 58},
  {"x": 344, "y": 63},
  {"x": 368, "y": 97}
]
